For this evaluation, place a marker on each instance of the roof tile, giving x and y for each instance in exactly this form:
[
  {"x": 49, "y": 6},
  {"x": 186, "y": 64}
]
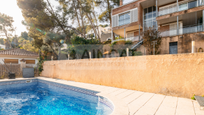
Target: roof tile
[{"x": 18, "y": 52}]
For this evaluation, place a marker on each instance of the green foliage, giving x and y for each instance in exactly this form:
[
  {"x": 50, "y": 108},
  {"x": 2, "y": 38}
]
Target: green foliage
[
  {"x": 106, "y": 25},
  {"x": 79, "y": 45},
  {"x": 107, "y": 42},
  {"x": 2, "y": 41},
  {"x": 116, "y": 38},
  {"x": 3, "y": 76},
  {"x": 193, "y": 98},
  {"x": 137, "y": 53},
  {"x": 6, "y": 28},
  {"x": 128, "y": 42},
  {"x": 41, "y": 18},
  {"x": 40, "y": 64},
  {"x": 108, "y": 5},
  {"x": 79, "y": 40},
  {"x": 25, "y": 36},
  {"x": 122, "y": 42}
]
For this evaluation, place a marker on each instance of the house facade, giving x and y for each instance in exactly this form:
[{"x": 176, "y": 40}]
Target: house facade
[
  {"x": 14, "y": 56},
  {"x": 2, "y": 46},
  {"x": 180, "y": 23},
  {"x": 104, "y": 33}
]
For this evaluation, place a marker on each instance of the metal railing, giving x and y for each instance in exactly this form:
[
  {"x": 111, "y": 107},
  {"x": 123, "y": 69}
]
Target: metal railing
[
  {"x": 192, "y": 29},
  {"x": 170, "y": 33},
  {"x": 184, "y": 30},
  {"x": 186, "y": 5},
  {"x": 135, "y": 38}
]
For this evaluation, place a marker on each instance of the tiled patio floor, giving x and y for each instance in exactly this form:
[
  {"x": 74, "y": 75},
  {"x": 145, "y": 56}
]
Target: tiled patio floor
[{"x": 142, "y": 103}]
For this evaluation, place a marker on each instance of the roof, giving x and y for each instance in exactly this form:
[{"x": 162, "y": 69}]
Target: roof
[{"x": 18, "y": 52}]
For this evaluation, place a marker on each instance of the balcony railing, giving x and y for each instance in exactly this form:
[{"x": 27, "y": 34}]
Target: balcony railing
[
  {"x": 184, "y": 30},
  {"x": 170, "y": 33},
  {"x": 182, "y": 6},
  {"x": 192, "y": 29},
  {"x": 133, "y": 39}
]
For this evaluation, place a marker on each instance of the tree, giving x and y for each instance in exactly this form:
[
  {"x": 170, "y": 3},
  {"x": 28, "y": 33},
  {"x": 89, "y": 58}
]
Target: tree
[
  {"x": 24, "y": 35},
  {"x": 152, "y": 40},
  {"x": 2, "y": 41},
  {"x": 82, "y": 12},
  {"x": 41, "y": 17},
  {"x": 105, "y": 16},
  {"x": 6, "y": 28}
]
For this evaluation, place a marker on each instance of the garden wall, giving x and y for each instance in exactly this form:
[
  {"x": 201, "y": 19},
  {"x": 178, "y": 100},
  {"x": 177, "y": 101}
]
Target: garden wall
[
  {"x": 14, "y": 68},
  {"x": 177, "y": 75}
]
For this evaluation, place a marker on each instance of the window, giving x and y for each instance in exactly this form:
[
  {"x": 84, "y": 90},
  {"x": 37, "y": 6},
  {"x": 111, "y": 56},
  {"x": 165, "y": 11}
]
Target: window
[
  {"x": 150, "y": 17},
  {"x": 129, "y": 35},
  {"x": 30, "y": 61},
  {"x": 13, "y": 61},
  {"x": 124, "y": 19},
  {"x": 192, "y": 4}
]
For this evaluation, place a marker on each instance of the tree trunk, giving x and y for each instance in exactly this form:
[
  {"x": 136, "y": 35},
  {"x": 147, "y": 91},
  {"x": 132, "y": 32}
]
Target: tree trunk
[
  {"x": 99, "y": 37},
  {"x": 82, "y": 22},
  {"x": 88, "y": 15},
  {"x": 110, "y": 17}
]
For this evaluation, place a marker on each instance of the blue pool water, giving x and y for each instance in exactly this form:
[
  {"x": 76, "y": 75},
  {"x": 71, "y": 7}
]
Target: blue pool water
[{"x": 44, "y": 99}]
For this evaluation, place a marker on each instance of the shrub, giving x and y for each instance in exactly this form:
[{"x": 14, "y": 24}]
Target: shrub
[
  {"x": 107, "y": 42},
  {"x": 128, "y": 42},
  {"x": 40, "y": 64},
  {"x": 193, "y": 98}
]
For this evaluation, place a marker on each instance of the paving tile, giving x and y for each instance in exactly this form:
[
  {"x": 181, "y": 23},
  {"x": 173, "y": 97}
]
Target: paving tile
[
  {"x": 168, "y": 106},
  {"x": 109, "y": 90},
  {"x": 124, "y": 94},
  {"x": 198, "y": 111},
  {"x": 117, "y": 92},
  {"x": 139, "y": 102},
  {"x": 128, "y": 99},
  {"x": 185, "y": 107},
  {"x": 151, "y": 106}
]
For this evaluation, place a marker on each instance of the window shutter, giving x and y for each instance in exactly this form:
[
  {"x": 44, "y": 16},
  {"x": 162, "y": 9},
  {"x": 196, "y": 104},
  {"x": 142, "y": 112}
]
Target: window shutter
[
  {"x": 134, "y": 15},
  {"x": 131, "y": 16},
  {"x": 115, "y": 21}
]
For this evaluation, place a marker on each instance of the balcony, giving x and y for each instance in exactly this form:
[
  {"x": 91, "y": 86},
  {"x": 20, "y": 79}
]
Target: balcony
[
  {"x": 133, "y": 39},
  {"x": 185, "y": 5},
  {"x": 184, "y": 30}
]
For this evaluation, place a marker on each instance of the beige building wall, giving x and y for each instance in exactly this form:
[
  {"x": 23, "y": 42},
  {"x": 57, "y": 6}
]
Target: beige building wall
[
  {"x": 177, "y": 75},
  {"x": 184, "y": 43}
]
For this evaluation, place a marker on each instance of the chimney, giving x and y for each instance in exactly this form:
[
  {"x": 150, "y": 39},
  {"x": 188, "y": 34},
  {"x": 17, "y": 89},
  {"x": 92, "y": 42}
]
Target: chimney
[{"x": 121, "y": 2}]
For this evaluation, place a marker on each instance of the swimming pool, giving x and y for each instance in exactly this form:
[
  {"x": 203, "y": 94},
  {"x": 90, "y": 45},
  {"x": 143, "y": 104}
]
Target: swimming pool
[{"x": 40, "y": 97}]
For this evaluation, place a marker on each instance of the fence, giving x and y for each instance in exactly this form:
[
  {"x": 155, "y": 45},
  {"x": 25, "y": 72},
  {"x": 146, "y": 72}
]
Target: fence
[{"x": 12, "y": 68}]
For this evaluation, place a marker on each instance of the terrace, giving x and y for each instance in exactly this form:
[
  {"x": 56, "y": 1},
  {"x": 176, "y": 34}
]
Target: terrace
[{"x": 171, "y": 6}]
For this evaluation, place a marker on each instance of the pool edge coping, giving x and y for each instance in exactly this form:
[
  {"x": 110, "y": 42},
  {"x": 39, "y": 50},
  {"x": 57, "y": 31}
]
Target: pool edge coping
[{"x": 120, "y": 108}]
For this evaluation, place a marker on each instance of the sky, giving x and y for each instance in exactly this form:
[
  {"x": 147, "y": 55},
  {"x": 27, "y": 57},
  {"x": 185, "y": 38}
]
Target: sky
[{"x": 11, "y": 8}]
